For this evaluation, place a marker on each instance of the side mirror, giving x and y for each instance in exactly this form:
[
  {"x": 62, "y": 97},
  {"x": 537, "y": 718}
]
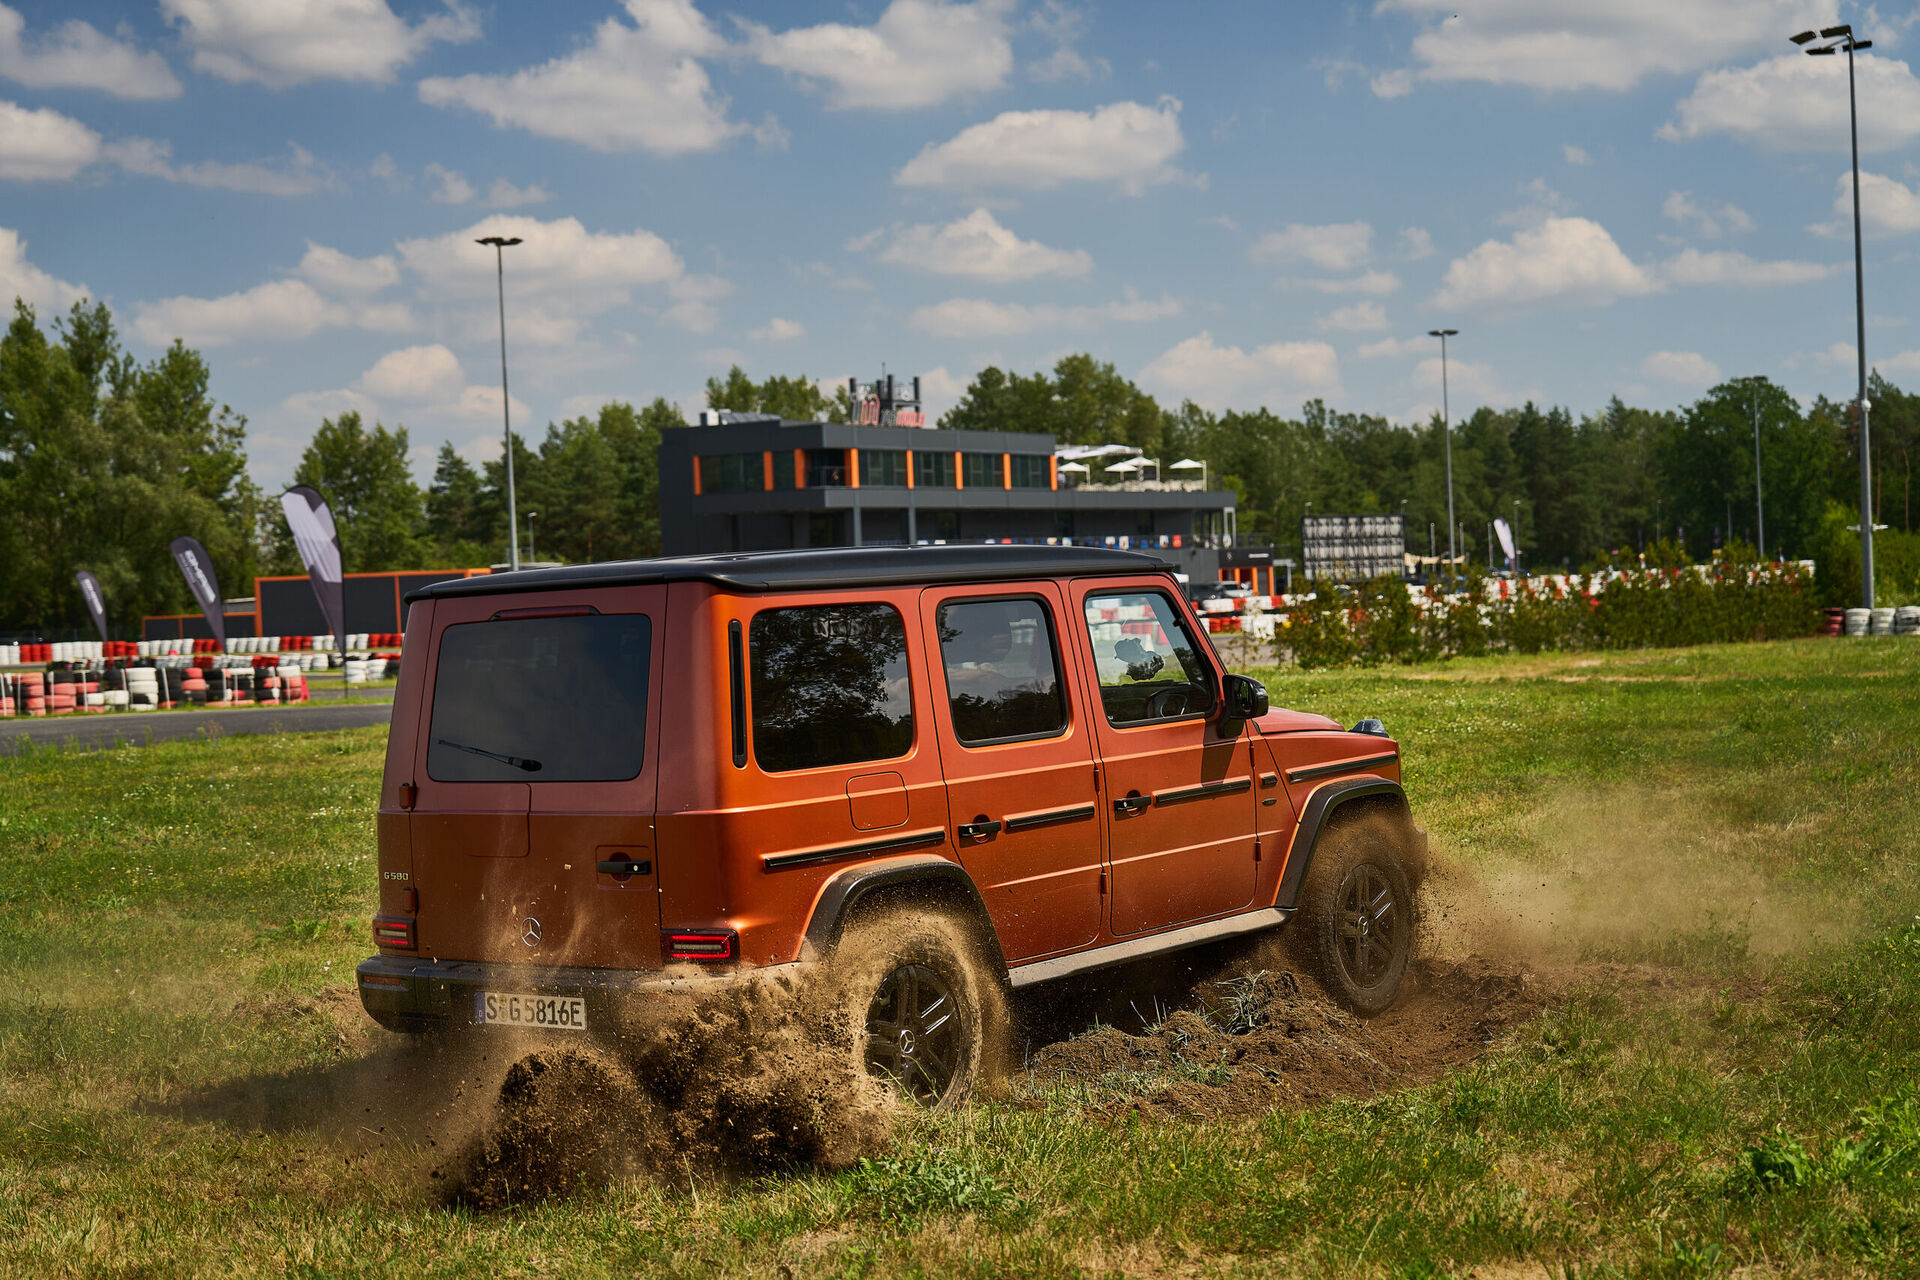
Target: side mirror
[{"x": 1242, "y": 698}]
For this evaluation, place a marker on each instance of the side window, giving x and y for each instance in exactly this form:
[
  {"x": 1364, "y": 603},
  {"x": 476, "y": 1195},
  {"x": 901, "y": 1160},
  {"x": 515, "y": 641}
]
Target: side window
[
  {"x": 829, "y": 686},
  {"x": 1003, "y": 671},
  {"x": 1148, "y": 664}
]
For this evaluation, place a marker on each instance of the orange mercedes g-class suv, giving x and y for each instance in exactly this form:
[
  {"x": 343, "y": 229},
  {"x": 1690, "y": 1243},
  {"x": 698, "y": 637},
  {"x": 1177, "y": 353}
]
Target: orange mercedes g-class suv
[{"x": 605, "y": 778}]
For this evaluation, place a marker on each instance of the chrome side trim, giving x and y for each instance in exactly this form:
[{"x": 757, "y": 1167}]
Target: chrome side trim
[{"x": 1154, "y": 944}]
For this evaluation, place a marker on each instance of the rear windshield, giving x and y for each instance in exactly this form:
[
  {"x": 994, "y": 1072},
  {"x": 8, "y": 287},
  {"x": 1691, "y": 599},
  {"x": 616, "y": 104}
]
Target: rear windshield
[{"x": 541, "y": 700}]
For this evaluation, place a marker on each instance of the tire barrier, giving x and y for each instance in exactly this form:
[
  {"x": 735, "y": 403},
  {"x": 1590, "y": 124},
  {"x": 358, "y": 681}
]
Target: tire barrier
[{"x": 151, "y": 684}]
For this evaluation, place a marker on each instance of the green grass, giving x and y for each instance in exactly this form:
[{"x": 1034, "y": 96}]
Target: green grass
[{"x": 1717, "y": 843}]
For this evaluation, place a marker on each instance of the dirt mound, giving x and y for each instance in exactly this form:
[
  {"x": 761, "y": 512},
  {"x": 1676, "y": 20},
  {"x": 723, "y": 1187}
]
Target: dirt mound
[
  {"x": 759, "y": 1078},
  {"x": 1263, "y": 1036}
]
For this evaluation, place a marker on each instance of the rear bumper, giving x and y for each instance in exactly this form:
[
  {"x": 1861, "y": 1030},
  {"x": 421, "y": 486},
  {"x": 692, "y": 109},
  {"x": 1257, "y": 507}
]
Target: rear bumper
[{"x": 405, "y": 993}]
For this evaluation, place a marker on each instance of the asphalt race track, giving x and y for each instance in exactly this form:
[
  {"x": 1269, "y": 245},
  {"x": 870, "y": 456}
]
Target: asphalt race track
[{"x": 138, "y": 729}]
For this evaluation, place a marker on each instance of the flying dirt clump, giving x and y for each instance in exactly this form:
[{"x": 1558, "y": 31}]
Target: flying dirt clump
[{"x": 757, "y": 1078}]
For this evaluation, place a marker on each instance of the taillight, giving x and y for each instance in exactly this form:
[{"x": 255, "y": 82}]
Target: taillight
[
  {"x": 699, "y": 944},
  {"x": 393, "y": 931}
]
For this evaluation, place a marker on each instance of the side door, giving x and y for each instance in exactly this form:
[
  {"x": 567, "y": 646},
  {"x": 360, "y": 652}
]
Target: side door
[
  {"x": 1018, "y": 756},
  {"x": 1179, "y": 797}
]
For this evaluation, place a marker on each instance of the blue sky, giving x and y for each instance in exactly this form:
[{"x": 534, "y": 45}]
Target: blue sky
[{"x": 1241, "y": 203}]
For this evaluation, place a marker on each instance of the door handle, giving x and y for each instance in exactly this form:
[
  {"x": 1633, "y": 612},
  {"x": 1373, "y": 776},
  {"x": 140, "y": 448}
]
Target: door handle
[
  {"x": 1131, "y": 803},
  {"x": 626, "y": 867},
  {"x": 982, "y": 826}
]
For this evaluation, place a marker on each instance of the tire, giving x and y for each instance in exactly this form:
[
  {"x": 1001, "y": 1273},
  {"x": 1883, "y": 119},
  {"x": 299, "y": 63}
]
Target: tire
[
  {"x": 920, "y": 1005},
  {"x": 1356, "y": 920}
]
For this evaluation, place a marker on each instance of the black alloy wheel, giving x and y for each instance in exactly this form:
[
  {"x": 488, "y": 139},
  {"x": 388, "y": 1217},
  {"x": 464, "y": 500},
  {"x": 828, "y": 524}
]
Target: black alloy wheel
[
  {"x": 915, "y": 1036},
  {"x": 1371, "y": 925}
]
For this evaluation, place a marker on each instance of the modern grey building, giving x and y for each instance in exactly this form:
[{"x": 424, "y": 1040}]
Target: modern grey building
[{"x": 753, "y": 482}]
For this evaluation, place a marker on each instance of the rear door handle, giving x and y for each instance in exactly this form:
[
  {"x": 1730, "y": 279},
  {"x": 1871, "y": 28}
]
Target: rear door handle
[
  {"x": 1131, "y": 804},
  {"x": 982, "y": 827},
  {"x": 626, "y": 867}
]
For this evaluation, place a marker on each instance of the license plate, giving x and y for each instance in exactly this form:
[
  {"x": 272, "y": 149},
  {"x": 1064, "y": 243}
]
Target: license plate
[{"x": 551, "y": 1013}]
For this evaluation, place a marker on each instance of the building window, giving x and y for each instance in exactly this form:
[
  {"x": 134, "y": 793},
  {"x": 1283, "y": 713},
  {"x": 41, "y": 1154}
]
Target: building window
[
  {"x": 933, "y": 469},
  {"x": 783, "y": 468},
  {"x": 1031, "y": 471},
  {"x": 829, "y": 686},
  {"x": 982, "y": 470},
  {"x": 826, "y": 468},
  {"x": 732, "y": 473},
  {"x": 946, "y": 525},
  {"x": 883, "y": 468}
]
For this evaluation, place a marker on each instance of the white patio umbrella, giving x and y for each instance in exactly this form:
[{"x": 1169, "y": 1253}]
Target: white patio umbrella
[
  {"x": 1131, "y": 464},
  {"x": 1189, "y": 464}
]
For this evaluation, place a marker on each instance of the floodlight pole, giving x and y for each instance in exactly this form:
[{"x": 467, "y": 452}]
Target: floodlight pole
[
  {"x": 1860, "y": 318},
  {"x": 500, "y": 243},
  {"x": 1843, "y": 38},
  {"x": 1759, "y": 501},
  {"x": 1446, "y": 431}
]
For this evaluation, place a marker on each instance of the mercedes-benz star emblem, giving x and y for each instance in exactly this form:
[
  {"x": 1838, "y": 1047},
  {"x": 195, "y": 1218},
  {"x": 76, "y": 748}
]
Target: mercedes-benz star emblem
[{"x": 530, "y": 934}]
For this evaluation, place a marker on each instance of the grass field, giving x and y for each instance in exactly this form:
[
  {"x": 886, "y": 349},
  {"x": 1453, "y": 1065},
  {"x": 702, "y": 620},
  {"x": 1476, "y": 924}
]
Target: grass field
[{"x": 1707, "y": 856}]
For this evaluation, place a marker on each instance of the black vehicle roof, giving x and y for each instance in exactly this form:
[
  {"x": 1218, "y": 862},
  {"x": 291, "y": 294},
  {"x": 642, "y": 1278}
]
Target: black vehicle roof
[{"x": 827, "y": 567}]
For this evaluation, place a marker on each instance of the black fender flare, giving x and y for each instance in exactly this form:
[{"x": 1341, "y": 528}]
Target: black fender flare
[
  {"x": 942, "y": 877},
  {"x": 1319, "y": 808}
]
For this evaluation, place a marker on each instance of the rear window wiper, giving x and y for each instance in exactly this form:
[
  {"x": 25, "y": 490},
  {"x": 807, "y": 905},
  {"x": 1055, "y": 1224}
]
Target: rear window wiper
[{"x": 531, "y": 766}]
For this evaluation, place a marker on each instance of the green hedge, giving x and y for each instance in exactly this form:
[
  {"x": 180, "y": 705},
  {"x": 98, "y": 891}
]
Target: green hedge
[{"x": 1381, "y": 622}]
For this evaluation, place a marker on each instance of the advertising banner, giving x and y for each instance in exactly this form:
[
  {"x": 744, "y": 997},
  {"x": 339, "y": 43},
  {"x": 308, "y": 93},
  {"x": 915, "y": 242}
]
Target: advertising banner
[
  {"x": 196, "y": 566},
  {"x": 319, "y": 541},
  {"x": 1505, "y": 534},
  {"x": 96, "y": 601}
]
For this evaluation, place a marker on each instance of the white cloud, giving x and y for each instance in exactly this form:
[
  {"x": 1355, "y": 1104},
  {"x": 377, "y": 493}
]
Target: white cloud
[
  {"x": 1375, "y": 283},
  {"x": 1561, "y": 259},
  {"x": 504, "y": 195},
  {"x": 1392, "y": 84},
  {"x": 1888, "y": 207},
  {"x": 980, "y": 318},
  {"x": 337, "y": 272},
  {"x": 778, "y": 330},
  {"x": 279, "y": 43},
  {"x": 280, "y": 309},
  {"x": 19, "y": 278},
  {"x": 918, "y": 54},
  {"x": 1692, "y": 267},
  {"x": 1794, "y": 102},
  {"x": 1126, "y": 143},
  {"x": 76, "y": 55},
  {"x": 1575, "y": 155},
  {"x": 415, "y": 374},
  {"x": 1214, "y": 376},
  {"x": 449, "y": 186},
  {"x": 1064, "y": 25},
  {"x": 636, "y": 87},
  {"x": 1392, "y": 347},
  {"x": 1906, "y": 364},
  {"x": 1340, "y": 246},
  {"x": 1839, "y": 355},
  {"x": 979, "y": 248},
  {"x": 693, "y": 299},
  {"x": 1361, "y": 317},
  {"x": 1464, "y": 378},
  {"x": 1415, "y": 244},
  {"x": 559, "y": 259},
  {"x": 43, "y": 145},
  {"x": 1560, "y": 47},
  {"x": 1682, "y": 368},
  {"x": 1708, "y": 223},
  {"x": 300, "y": 175}
]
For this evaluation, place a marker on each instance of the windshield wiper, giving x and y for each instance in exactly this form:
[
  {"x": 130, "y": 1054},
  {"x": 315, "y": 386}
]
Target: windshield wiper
[{"x": 531, "y": 766}]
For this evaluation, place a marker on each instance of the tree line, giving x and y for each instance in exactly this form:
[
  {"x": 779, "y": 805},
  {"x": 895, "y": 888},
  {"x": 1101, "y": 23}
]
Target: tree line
[{"x": 105, "y": 459}]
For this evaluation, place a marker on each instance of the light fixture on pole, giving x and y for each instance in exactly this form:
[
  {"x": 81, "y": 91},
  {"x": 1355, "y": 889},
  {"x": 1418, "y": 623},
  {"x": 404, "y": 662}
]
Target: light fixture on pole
[
  {"x": 532, "y": 552},
  {"x": 1754, "y": 384},
  {"x": 1446, "y": 431},
  {"x": 500, "y": 276},
  {"x": 1838, "y": 39}
]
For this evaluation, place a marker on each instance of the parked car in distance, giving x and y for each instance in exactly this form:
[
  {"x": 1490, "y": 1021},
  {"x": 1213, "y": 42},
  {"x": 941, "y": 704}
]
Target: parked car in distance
[
  {"x": 995, "y": 765},
  {"x": 1225, "y": 590}
]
